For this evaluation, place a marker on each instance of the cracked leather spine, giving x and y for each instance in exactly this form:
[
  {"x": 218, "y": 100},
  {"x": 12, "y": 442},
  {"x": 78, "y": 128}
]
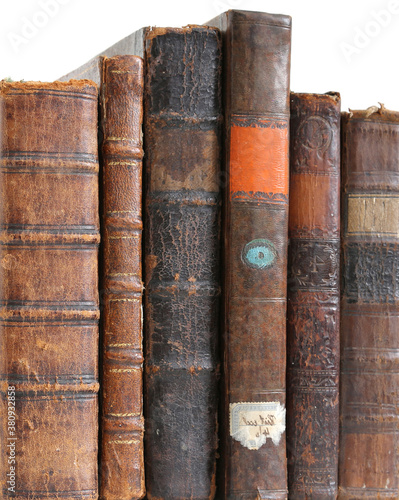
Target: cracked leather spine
[
  {"x": 182, "y": 99},
  {"x": 49, "y": 295},
  {"x": 313, "y": 297},
  {"x": 369, "y": 435},
  {"x": 256, "y": 103},
  {"x": 122, "y": 422}
]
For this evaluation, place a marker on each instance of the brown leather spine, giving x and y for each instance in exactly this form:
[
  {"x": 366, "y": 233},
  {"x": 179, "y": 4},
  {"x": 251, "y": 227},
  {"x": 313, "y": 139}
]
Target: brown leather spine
[
  {"x": 182, "y": 287},
  {"x": 369, "y": 441},
  {"x": 313, "y": 297},
  {"x": 257, "y": 68},
  {"x": 122, "y": 449},
  {"x": 49, "y": 290}
]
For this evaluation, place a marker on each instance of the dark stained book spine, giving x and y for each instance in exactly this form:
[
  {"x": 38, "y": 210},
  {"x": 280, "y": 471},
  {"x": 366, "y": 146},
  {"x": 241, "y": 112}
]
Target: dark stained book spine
[
  {"x": 122, "y": 429},
  {"x": 182, "y": 288},
  {"x": 369, "y": 440},
  {"x": 313, "y": 297},
  {"x": 49, "y": 236},
  {"x": 256, "y": 86}
]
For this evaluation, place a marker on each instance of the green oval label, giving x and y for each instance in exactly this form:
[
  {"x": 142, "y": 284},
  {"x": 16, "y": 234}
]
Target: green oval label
[{"x": 259, "y": 254}]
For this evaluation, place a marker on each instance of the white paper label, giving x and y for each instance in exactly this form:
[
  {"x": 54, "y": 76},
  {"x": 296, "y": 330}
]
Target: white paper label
[{"x": 252, "y": 423}]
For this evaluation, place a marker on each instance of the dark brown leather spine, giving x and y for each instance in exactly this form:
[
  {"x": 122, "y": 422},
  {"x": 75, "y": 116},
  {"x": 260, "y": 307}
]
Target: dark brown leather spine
[
  {"x": 122, "y": 450},
  {"x": 257, "y": 68},
  {"x": 182, "y": 289},
  {"x": 313, "y": 297},
  {"x": 49, "y": 290},
  {"x": 369, "y": 441}
]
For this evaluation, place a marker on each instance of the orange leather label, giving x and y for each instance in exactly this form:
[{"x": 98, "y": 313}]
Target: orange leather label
[{"x": 259, "y": 159}]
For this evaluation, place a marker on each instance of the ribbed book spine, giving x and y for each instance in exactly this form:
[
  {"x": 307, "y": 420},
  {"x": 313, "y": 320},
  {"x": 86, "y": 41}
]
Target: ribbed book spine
[
  {"x": 182, "y": 287},
  {"x": 369, "y": 441},
  {"x": 49, "y": 290},
  {"x": 313, "y": 297},
  {"x": 256, "y": 85},
  {"x": 122, "y": 430}
]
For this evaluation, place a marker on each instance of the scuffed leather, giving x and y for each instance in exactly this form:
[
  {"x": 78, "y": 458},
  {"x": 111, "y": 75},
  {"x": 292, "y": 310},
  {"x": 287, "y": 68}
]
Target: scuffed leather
[
  {"x": 313, "y": 297},
  {"x": 122, "y": 429},
  {"x": 182, "y": 260},
  {"x": 49, "y": 286},
  {"x": 256, "y": 86},
  {"x": 368, "y": 462}
]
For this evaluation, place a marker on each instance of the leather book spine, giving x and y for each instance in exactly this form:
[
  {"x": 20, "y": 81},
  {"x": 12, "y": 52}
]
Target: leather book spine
[
  {"x": 369, "y": 438},
  {"x": 182, "y": 127},
  {"x": 122, "y": 429},
  {"x": 257, "y": 68},
  {"x": 313, "y": 297},
  {"x": 49, "y": 290}
]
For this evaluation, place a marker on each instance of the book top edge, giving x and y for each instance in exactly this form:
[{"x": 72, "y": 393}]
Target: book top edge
[
  {"x": 255, "y": 17},
  {"x": 86, "y": 86},
  {"x": 154, "y": 31},
  {"x": 328, "y": 96},
  {"x": 373, "y": 113},
  {"x": 122, "y": 57}
]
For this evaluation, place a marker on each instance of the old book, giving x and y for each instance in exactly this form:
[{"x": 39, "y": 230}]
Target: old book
[
  {"x": 49, "y": 294},
  {"x": 182, "y": 128},
  {"x": 122, "y": 429},
  {"x": 313, "y": 297},
  {"x": 369, "y": 440},
  {"x": 256, "y": 96},
  {"x": 182, "y": 288}
]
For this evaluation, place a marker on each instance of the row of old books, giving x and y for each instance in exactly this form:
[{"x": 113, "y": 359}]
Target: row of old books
[{"x": 234, "y": 165}]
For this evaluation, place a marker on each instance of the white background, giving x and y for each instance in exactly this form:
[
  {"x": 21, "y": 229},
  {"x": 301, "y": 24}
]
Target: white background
[{"x": 349, "y": 46}]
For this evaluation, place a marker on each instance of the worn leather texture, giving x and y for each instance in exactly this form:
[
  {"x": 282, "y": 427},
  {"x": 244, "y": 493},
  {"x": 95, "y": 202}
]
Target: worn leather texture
[
  {"x": 368, "y": 462},
  {"x": 182, "y": 260},
  {"x": 49, "y": 294},
  {"x": 122, "y": 429},
  {"x": 313, "y": 297},
  {"x": 256, "y": 96}
]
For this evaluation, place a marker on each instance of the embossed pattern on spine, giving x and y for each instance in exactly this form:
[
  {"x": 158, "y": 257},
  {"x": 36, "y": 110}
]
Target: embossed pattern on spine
[
  {"x": 313, "y": 297},
  {"x": 257, "y": 59},
  {"x": 122, "y": 450},
  {"x": 49, "y": 295},
  {"x": 369, "y": 440},
  {"x": 182, "y": 286}
]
